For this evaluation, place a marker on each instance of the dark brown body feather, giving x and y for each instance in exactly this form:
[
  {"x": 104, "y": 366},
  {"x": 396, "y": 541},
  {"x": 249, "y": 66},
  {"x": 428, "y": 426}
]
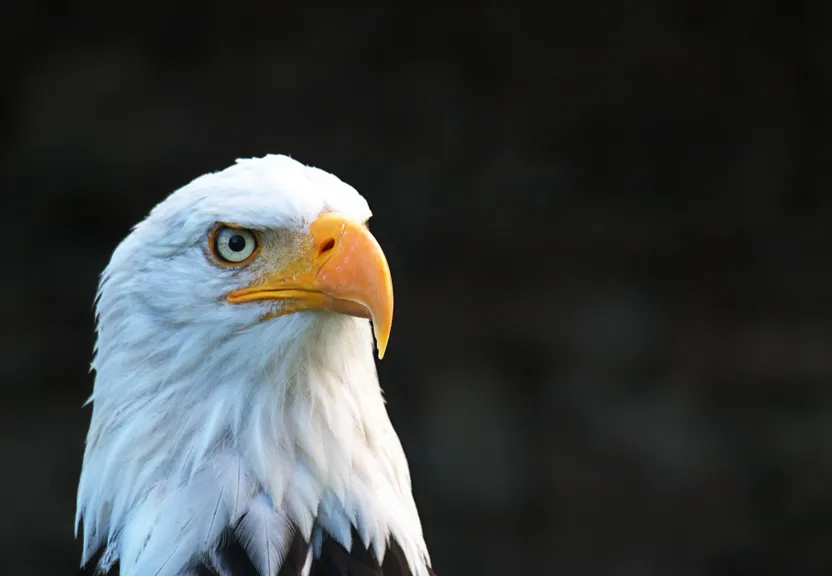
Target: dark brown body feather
[{"x": 335, "y": 560}]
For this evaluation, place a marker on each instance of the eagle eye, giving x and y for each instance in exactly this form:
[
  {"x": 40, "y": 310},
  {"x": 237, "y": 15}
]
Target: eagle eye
[{"x": 233, "y": 246}]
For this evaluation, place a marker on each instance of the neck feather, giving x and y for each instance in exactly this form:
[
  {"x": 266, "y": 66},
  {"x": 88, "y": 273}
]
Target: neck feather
[{"x": 298, "y": 422}]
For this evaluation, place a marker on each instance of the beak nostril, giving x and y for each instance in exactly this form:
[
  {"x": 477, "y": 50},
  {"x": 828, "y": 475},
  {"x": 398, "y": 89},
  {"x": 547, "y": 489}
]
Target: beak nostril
[{"x": 327, "y": 246}]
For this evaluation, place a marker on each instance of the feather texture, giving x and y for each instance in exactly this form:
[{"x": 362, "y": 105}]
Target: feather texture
[
  {"x": 265, "y": 534},
  {"x": 334, "y": 560}
]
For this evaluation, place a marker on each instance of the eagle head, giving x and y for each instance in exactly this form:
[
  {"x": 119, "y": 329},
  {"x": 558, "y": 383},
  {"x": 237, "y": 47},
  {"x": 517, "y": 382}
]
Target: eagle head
[{"x": 236, "y": 401}]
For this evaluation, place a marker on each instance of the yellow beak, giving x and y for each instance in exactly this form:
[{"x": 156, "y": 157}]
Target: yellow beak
[{"x": 339, "y": 268}]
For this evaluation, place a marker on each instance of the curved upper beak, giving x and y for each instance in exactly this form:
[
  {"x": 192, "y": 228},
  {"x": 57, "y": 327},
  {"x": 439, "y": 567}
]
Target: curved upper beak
[{"x": 338, "y": 267}]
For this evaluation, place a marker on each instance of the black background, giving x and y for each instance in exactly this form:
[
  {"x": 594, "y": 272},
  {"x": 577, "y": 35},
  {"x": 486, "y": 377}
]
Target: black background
[{"x": 607, "y": 222}]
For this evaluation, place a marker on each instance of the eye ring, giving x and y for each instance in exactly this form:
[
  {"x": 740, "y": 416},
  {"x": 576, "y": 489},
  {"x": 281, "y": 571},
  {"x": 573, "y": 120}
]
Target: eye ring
[{"x": 232, "y": 245}]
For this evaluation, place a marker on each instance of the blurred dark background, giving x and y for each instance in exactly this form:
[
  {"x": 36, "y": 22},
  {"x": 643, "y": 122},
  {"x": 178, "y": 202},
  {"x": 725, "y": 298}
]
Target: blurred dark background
[{"x": 608, "y": 226}]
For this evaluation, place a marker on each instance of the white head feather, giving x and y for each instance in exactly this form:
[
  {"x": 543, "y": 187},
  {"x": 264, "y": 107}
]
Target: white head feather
[{"x": 203, "y": 414}]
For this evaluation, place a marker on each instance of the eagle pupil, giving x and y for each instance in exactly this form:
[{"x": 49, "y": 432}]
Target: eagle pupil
[{"x": 237, "y": 243}]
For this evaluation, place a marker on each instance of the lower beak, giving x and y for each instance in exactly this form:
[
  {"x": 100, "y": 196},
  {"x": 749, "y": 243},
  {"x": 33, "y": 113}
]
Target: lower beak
[{"x": 339, "y": 268}]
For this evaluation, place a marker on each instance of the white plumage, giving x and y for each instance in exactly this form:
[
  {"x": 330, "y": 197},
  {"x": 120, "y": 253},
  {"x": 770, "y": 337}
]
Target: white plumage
[{"x": 207, "y": 418}]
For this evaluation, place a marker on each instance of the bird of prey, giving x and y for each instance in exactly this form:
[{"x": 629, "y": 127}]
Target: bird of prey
[{"x": 238, "y": 426}]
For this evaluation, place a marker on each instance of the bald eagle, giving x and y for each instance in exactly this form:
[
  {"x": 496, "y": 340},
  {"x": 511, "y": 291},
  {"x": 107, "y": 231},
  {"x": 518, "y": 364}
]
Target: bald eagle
[{"x": 238, "y": 426}]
